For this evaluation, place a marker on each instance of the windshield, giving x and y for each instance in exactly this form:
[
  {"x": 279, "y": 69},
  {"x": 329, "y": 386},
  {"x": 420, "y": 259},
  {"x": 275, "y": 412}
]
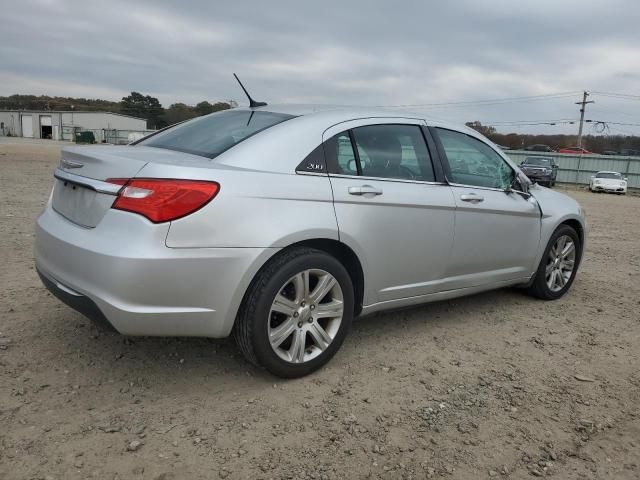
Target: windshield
[
  {"x": 542, "y": 162},
  {"x": 211, "y": 135},
  {"x": 617, "y": 176}
]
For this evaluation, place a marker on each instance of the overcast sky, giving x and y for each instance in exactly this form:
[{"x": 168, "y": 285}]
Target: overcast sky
[{"x": 356, "y": 52}]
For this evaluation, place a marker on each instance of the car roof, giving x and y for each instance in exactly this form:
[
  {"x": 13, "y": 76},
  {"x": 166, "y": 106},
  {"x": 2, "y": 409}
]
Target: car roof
[
  {"x": 608, "y": 171},
  {"x": 343, "y": 113}
]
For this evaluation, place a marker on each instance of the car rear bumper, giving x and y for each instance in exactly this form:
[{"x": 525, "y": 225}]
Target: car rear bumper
[{"x": 122, "y": 273}]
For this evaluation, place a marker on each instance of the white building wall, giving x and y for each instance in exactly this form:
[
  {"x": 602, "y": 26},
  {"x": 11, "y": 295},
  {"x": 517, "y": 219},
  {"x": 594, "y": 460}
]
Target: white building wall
[{"x": 64, "y": 123}]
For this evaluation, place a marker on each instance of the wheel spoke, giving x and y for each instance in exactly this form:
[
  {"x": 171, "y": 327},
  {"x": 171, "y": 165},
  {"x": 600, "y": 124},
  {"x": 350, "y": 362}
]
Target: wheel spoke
[
  {"x": 561, "y": 279},
  {"x": 332, "y": 309},
  {"x": 548, "y": 269},
  {"x": 320, "y": 335},
  {"x": 282, "y": 304},
  {"x": 568, "y": 265},
  {"x": 296, "y": 352},
  {"x": 560, "y": 244},
  {"x": 568, "y": 250},
  {"x": 551, "y": 281},
  {"x": 282, "y": 332},
  {"x": 324, "y": 286},
  {"x": 301, "y": 284}
]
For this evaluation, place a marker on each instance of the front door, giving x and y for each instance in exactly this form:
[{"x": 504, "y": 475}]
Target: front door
[
  {"x": 497, "y": 232},
  {"x": 390, "y": 207}
]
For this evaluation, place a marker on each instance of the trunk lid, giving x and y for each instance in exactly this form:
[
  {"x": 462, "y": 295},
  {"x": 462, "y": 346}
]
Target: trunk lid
[{"x": 81, "y": 193}]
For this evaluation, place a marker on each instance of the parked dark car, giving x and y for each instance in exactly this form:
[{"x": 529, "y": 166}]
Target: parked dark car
[
  {"x": 543, "y": 170},
  {"x": 628, "y": 152},
  {"x": 539, "y": 147}
]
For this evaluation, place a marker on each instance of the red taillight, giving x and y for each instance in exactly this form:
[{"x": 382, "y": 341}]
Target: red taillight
[{"x": 162, "y": 200}]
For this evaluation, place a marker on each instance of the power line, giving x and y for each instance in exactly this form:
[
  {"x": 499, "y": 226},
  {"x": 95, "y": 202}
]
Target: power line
[
  {"x": 614, "y": 123},
  {"x": 623, "y": 96},
  {"x": 530, "y": 122},
  {"x": 494, "y": 101}
]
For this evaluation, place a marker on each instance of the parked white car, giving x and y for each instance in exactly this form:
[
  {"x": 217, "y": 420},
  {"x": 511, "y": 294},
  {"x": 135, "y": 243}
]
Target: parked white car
[{"x": 608, "y": 182}]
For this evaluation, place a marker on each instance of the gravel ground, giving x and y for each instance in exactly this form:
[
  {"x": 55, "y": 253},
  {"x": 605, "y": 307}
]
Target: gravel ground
[{"x": 497, "y": 385}]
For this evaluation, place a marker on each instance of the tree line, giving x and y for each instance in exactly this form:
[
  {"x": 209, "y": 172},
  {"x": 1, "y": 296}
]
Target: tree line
[
  {"x": 136, "y": 105},
  {"x": 594, "y": 143},
  {"x": 145, "y": 106}
]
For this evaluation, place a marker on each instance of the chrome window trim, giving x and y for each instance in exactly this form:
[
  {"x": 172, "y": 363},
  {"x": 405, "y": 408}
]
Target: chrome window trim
[
  {"x": 464, "y": 185},
  {"x": 385, "y": 179},
  {"x": 93, "y": 184}
]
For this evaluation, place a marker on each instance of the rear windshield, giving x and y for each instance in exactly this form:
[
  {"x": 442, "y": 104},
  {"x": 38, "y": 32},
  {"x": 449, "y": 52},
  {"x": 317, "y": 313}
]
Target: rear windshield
[
  {"x": 543, "y": 162},
  {"x": 211, "y": 135},
  {"x": 608, "y": 175}
]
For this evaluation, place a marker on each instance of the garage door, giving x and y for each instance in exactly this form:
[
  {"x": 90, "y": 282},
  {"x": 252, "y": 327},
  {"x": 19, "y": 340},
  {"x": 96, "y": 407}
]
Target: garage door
[{"x": 27, "y": 126}]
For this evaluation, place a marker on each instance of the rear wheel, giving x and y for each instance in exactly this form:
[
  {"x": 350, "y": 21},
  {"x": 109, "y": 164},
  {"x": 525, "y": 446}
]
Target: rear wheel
[
  {"x": 558, "y": 266},
  {"x": 296, "y": 313}
]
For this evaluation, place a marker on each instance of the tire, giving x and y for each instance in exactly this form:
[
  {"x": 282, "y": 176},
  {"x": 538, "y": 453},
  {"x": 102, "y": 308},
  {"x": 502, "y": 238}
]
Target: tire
[
  {"x": 257, "y": 321},
  {"x": 540, "y": 287}
]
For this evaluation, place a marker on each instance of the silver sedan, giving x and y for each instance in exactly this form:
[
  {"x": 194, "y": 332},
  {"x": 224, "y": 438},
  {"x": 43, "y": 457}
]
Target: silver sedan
[{"x": 279, "y": 225}]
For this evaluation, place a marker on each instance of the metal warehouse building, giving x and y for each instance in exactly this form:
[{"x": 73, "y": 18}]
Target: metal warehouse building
[{"x": 63, "y": 125}]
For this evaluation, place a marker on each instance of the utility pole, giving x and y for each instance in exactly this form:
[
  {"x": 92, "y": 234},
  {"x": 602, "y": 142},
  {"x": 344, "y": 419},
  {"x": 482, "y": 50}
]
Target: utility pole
[{"x": 582, "y": 104}]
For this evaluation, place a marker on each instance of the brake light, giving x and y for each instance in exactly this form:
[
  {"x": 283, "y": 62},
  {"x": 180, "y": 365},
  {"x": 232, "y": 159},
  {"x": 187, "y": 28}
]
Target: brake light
[{"x": 162, "y": 200}]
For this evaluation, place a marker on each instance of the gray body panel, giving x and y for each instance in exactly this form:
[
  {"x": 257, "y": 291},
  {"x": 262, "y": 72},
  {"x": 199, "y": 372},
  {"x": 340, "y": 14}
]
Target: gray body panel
[{"x": 416, "y": 242}]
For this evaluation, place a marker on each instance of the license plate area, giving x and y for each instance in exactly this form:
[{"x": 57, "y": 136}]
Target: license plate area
[{"x": 81, "y": 205}]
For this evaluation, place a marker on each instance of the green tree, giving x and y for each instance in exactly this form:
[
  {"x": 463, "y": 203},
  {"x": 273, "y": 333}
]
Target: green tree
[
  {"x": 143, "y": 106},
  {"x": 485, "y": 130},
  {"x": 179, "y": 112},
  {"x": 205, "y": 108}
]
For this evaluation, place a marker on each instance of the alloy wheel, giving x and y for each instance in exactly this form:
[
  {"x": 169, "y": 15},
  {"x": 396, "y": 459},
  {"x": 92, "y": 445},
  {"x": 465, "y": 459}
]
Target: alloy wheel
[
  {"x": 560, "y": 263},
  {"x": 305, "y": 316}
]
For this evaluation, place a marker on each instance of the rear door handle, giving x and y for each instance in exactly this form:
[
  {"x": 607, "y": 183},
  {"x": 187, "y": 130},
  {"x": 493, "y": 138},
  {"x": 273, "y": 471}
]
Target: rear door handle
[
  {"x": 365, "y": 190},
  {"x": 472, "y": 198}
]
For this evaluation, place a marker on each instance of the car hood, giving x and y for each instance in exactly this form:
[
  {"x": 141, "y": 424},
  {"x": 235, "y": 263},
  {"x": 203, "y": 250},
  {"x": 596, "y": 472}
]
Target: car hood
[{"x": 554, "y": 203}]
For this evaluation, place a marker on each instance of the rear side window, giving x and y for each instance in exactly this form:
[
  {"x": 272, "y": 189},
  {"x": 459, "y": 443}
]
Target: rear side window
[
  {"x": 211, "y": 135},
  {"x": 384, "y": 151}
]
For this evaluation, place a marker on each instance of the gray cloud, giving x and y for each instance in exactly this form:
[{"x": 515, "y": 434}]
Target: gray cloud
[{"x": 364, "y": 53}]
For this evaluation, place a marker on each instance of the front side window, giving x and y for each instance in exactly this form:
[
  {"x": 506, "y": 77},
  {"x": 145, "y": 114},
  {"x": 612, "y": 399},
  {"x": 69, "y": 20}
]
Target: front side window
[
  {"x": 384, "y": 151},
  {"x": 211, "y": 135},
  {"x": 472, "y": 162}
]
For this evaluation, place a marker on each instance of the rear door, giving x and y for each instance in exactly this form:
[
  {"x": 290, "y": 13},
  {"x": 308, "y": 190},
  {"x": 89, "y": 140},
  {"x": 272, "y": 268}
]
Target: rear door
[
  {"x": 391, "y": 207},
  {"x": 496, "y": 233}
]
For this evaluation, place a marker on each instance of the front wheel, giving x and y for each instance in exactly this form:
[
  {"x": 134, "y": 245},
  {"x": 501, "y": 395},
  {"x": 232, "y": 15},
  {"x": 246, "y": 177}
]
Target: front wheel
[
  {"x": 558, "y": 266},
  {"x": 296, "y": 313}
]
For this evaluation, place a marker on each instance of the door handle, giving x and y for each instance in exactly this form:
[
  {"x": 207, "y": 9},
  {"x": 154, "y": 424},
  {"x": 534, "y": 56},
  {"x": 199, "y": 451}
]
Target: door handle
[
  {"x": 365, "y": 190},
  {"x": 472, "y": 198}
]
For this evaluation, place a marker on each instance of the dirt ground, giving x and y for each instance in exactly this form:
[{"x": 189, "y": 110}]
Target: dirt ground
[{"x": 498, "y": 385}]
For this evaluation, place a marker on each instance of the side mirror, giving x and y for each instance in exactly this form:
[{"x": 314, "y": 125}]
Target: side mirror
[
  {"x": 520, "y": 184},
  {"x": 626, "y": 179}
]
